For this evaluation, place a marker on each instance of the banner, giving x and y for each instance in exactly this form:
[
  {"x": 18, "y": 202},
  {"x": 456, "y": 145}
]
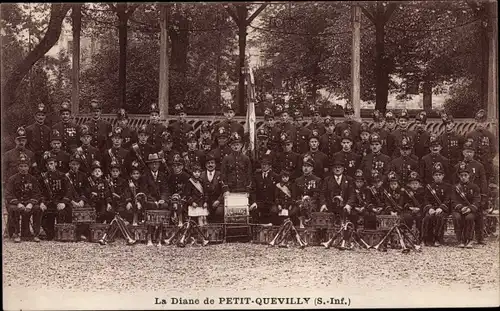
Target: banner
[{"x": 250, "y": 118}]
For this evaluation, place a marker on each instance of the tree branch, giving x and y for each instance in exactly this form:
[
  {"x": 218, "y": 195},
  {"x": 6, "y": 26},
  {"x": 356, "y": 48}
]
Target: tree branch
[
  {"x": 391, "y": 7},
  {"x": 257, "y": 12},
  {"x": 131, "y": 9},
  {"x": 368, "y": 14},
  {"x": 233, "y": 15}
]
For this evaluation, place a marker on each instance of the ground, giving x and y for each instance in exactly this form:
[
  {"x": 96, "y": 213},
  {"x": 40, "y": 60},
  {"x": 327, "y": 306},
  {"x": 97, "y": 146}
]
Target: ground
[{"x": 85, "y": 268}]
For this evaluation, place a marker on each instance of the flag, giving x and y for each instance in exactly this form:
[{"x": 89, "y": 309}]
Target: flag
[{"x": 250, "y": 119}]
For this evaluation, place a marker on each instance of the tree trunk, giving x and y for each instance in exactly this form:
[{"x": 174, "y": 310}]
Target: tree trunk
[
  {"x": 242, "y": 43},
  {"x": 381, "y": 74},
  {"x": 427, "y": 98},
  {"x": 164, "y": 62},
  {"x": 75, "y": 75},
  {"x": 57, "y": 14},
  {"x": 122, "y": 42},
  {"x": 180, "y": 47},
  {"x": 485, "y": 55}
]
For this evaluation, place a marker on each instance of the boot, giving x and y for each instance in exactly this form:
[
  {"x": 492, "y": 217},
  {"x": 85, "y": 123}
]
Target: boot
[
  {"x": 17, "y": 238},
  {"x": 469, "y": 245}
]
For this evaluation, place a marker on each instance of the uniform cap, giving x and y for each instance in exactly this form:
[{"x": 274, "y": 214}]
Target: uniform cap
[
  {"x": 48, "y": 156},
  {"x": 222, "y": 132},
  {"x": 166, "y": 137},
  {"x": 117, "y": 132},
  {"x": 84, "y": 130},
  {"x": 65, "y": 106},
  {"x": 329, "y": 120},
  {"x": 262, "y": 133},
  {"x": 95, "y": 104},
  {"x": 122, "y": 114},
  {"x": 422, "y": 117},
  {"x": 375, "y": 137},
  {"x": 376, "y": 176},
  {"x": 154, "y": 108},
  {"x": 346, "y": 134},
  {"x": 413, "y": 176},
  {"x": 96, "y": 164},
  {"x": 469, "y": 145},
  {"x": 481, "y": 115},
  {"x": 358, "y": 175},
  {"x": 404, "y": 114},
  {"x": 389, "y": 115},
  {"x": 207, "y": 142},
  {"x": 210, "y": 156},
  {"x": 392, "y": 176},
  {"x": 462, "y": 167},
  {"x": 406, "y": 143},
  {"x": 55, "y": 135},
  {"x": 365, "y": 128},
  {"x": 41, "y": 108},
  {"x": 135, "y": 166},
  {"x": 75, "y": 158},
  {"x": 308, "y": 160},
  {"x": 235, "y": 138},
  {"x": 20, "y": 132},
  {"x": 142, "y": 129},
  {"x": 314, "y": 134},
  {"x": 196, "y": 167},
  {"x": 297, "y": 114},
  {"x": 377, "y": 116},
  {"x": 433, "y": 140},
  {"x": 23, "y": 158},
  {"x": 205, "y": 127},
  {"x": 438, "y": 168},
  {"x": 179, "y": 108},
  {"x": 191, "y": 137},
  {"x": 153, "y": 157},
  {"x": 177, "y": 159},
  {"x": 268, "y": 113},
  {"x": 115, "y": 164},
  {"x": 285, "y": 138}
]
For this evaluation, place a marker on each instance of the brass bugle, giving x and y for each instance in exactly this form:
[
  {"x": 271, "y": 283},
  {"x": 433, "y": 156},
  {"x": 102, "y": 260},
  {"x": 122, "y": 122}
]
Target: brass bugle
[
  {"x": 301, "y": 242},
  {"x": 182, "y": 241},
  {"x": 405, "y": 249},
  {"x": 383, "y": 240},
  {"x": 124, "y": 229},
  {"x": 174, "y": 235},
  {"x": 273, "y": 241}
]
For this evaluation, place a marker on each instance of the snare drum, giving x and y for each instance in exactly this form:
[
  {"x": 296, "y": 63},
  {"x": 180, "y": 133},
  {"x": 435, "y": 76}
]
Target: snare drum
[
  {"x": 197, "y": 211},
  {"x": 386, "y": 221},
  {"x": 322, "y": 220},
  {"x": 65, "y": 232},
  {"x": 236, "y": 208},
  {"x": 157, "y": 217},
  {"x": 84, "y": 215}
]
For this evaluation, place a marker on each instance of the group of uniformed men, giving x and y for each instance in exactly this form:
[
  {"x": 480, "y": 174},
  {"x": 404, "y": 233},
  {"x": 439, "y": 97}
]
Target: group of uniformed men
[{"x": 344, "y": 168}]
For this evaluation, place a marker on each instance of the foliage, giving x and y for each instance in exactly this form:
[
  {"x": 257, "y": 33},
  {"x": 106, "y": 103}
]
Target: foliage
[{"x": 464, "y": 100}]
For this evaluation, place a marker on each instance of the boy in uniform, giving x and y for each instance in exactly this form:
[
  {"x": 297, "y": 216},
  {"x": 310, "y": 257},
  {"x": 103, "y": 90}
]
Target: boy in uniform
[
  {"x": 349, "y": 123},
  {"x": 375, "y": 200},
  {"x": 414, "y": 199},
  {"x": 179, "y": 128},
  {"x": 300, "y": 137},
  {"x": 86, "y": 152},
  {"x": 320, "y": 158},
  {"x": 139, "y": 152},
  {"x": 38, "y": 135},
  {"x": 421, "y": 142},
  {"x": 351, "y": 159},
  {"x": 100, "y": 194},
  {"x": 288, "y": 158},
  {"x": 283, "y": 207},
  {"x": 329, "y": 142},
  {"x": 116, "y": 153},
  {"x": 451, "y": 141},
  {"x": 70, "y": 132},
  {"x": 79, "y": 186},
  {"x": 306, "y": 190},
  {"x": 362, "y": 147},
  {"x": 154, "y": 129},
  {"x": 99, "y": 127}
]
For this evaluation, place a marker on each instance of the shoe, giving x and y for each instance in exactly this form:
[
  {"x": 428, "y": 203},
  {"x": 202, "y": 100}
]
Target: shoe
[
  {"x": 480, "y": 243},
  {"x": 83, "y": 238},
  {"x": 469, "y": 245},
  {"x": 205, "y": 242},
  {"x": 134, "y": 224},
  {"x": 36, "y": 239},
  {"x": 102, "y": 242},
  {"x": 149, "y": 243},
  {"x": 131, "y": 242},
  {"x": 437, "y": 244},
  {"x": 17, "y": 239},
  {"x": 461, "y": 245}
]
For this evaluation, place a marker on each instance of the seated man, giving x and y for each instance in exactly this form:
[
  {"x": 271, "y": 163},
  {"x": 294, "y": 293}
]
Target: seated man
[
  {"x": 79, "y": 193},
  {"x": 376, "y": 201},
  {"x": 23, "y": 196},
  {"x": 337, "y": 194},
  {"x": 306, "y": 191},
  {"x": 413, "y": 197}
]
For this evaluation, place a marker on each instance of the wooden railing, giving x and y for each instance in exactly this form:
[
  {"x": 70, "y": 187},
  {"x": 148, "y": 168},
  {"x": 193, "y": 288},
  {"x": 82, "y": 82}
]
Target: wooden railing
[{"x": 434, "y": 125}]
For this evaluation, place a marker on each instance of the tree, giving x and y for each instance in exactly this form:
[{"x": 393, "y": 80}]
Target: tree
[{"x": 57, "y": 14}]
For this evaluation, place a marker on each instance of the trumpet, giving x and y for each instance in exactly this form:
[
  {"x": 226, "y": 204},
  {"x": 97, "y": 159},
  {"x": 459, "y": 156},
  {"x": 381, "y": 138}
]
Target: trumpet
[
  {"x": 405, "y": 250},
  {"x": 174, "y": 235},
  {"x": 279, "y": 233},
  {"x": 182, "y": 241}
]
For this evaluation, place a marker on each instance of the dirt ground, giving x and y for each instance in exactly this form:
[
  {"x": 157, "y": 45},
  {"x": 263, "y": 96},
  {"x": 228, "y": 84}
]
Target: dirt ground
[{"x": 89, "y": 268}]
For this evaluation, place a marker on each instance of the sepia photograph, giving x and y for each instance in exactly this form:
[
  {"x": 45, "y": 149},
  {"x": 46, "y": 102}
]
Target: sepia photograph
[{"x": 250, "y": 155}]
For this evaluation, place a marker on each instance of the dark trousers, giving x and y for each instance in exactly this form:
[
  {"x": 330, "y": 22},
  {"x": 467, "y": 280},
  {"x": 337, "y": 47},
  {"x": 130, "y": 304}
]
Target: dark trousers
[
  {"x": 16, "y": 216},
  {"x": 479, "y": 221},
  {"x": 263, "y": 213},
  {"x": 51, "y": 214},
  {"x": 370, "y": 220},
  {"x": 215, "y": 214},
  {"x": 101, "y": 212},
  {"x": 464, "y": 226},
  {"x": 433, "y": 228}
]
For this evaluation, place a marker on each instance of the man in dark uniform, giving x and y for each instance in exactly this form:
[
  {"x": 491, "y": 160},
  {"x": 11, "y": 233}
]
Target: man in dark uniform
[
  {"x": 273, "y": 131},
  {"x": 167, "y": 153},
  {"x": 179, "y": 128},
  {"x": 384, "y": 125},
  {"x": 229, "y": 124},
  {"x": 376, "y": 200},
  {"x": 177, "y": 181},
  {"x": 300, "y": 137},
  {"x": 414, "y": 201},
  {"x": 263, "y": 151},
  {"x": 401, "y": 132},
  {"x": 56, "y": 197},
  {"x": 139, "y": 152},
  {"x": 10, "y": 158},
  {"x": 375, "y": 160},
  {"x": 205, "y": 133},
  {"x": 79, "y": 197},
  {"x": 98, "y": 127},
  {"x": 154, "y": 129},
  {"x": 22, "y": 195},
  {"x": 288, "y": 159},
  {"x": 306, "y": 191},
  {"x": 421, "y": 142},
  {"x": 69, "y": 130},
  {"x": 320, "y": 159},
  {"x": 465, "y": 201},
  {"x": 486, "y": 143},
  {"x": 100, "y": 194},
  {"x": 404, "y": 164},
  {"x": 436, "y": 209},
  {"x": 212, "y": 185},
  {"x": 86, "y": 152},
  {"x": 349, "y": 123},
  {"x": 428, "y": 161},
  {"x": 451, "y": 141},
  {"x": 193, "y": 155},
  {"x": 329, "y": 143},
  {"x": 286, "y": 124},
  {"x": 223, "y": 149},
  {"x": 316, "y": 123},
  {"x": 394, "y": 193},
  {"x": 236, "y": 168},
  {"x": 116, "y": 153},
  {"x": 61, "y": 156},
  {"x": 265, "y": 181},
  {"x": 347, "y": 156},
  {"x": 362, "y": 147},
  {"x": 38, "y": 135},
  {"x": 129, "y": 134}
]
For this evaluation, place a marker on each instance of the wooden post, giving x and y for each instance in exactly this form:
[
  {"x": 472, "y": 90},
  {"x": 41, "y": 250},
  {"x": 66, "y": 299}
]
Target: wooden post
[
  {"x": 355, "y": 61},
  {"x": 493, "y": 64},
  {"x": 75, "y": 70},
  {"x": 163, "y": 81}
]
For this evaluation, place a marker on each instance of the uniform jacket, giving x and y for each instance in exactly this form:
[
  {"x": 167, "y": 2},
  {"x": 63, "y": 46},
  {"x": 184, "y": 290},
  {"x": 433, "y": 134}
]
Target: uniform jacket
[
  {"x": 353, "y": 126},
  {"x": 375, "y": 198},
  {"x": 319, "y": 126},
  {"x": 361, "y": 196},
  {"x": 471, "y": 192},
  {"x": 274, "y": 137},
  {"x": 485, "y": 143},
  {"x": 141, "y": 186},
  {"x": 281, "y": 198},
  {"x": 351, "y": 160},
  {"x": 262, "y": 152},
  {"x": 236, "y": 172},
  {"x": 220, "y": 153},
  {"x": 397, "y": 196},
  {"x": 397, "y": 137},
  {"x": 307, "y": 185},
  {"x": 300, "y": 139},
  {"x": 179, "y": 131},
  {"x": 70, "y": 133},
  {"x": 290, "y": 160},
  {"x": 329, "y": 144},
  {"x": 426, "y": 167},
  {"x": 62, "y": 159},
  {"x": 38, "y": 137},
  {"x": 403, "y": 166},
  {"x": 213, "y": 188},
  {"x": 452, "y": 143},
  {"x": 176, "y": 183},
  {"x": 330, "y": 189},
  {"x": 100, "y": 130},
  {"x": 379, "y": 162},
  {"x": 477, "y": 176},
  {"x": 59, "y": 187},
  {"x": 443, "y": 192},
  {"x": 79, "y": 186},
  {"x": 121, "y": 155},
  {"x": 10, "y": 160},
  {"x": 421, "y": 143},
  {"x": 419, "y": 196},
  {"x": 22, "y": 189},
  {"x": 265, "y": 187},
  {"x": 99, "y": 191},
  {"x": 154, "y": 131},
  {"x": 119, "y": 187},
  {"x": 362, "y": 148},
  {"x": 320, "y": 162},
  {"x": 91, "y": 154}
]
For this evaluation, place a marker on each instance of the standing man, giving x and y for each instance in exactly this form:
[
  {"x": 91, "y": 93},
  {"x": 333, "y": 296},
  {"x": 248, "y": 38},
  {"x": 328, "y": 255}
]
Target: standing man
[
  {"x": 10, "y": 158},
  {"x": 316, "y": 123},
  {"x": 404, "y": 164},
  {"x": 179, "y": 128},
  {"x": 272, "y": 130},
  {"x": 306, "y": 190},
  {"x": 229, "y": 124},
  {"x": 347, "y": 156},
  {"x": 300, "y": 136},
  {"x": 116, "y": 153},
  {"x": 60, "y": 156},
  {"x": 98, "y": 127},
  {"x": 375, "y": 161},
  {"x": 38, "y": 135},
  {"x": 263, "y": 150},
  {"x": 428, "y": 161},
  {"x": 154, "y": 129},
  {"x": 401, "y": 132},
  {"x": 451, "y": 141},
  {"x": 212, "y": 185},
  {"x": 421, "y": 142},
  {"x": 329, "y": 142},
  {"x": 129, "y": 134},
  {"x": 378, "y": 126},
  {"x": 349, "y": 123},
  {"x": 288, "y": 159},
  {"x": 69, "y": 130},
  {"x": 320, "y": 159},
  {"x": 86, "y": 152},
  {"x": 390, "y": 127},
  {"x": 286, "y": 123},
  {"x": 236, "y": 168},
  {"x": 223, "y": 149}
]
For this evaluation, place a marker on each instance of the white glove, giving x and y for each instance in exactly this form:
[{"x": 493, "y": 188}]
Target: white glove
[
  {"x": 29, "y": 206},
  {"x": 60, "y": 206},
  {"x": 161, "y": 202},
  {"x": 94, "y": 194},
  {"x": 439, "y": 211},
  {"x": 81, "y": 203},
  {"x": 394, "y": 214},
  {"x": 323, "y": 208},
  {"x": 348, "y": 208},
  {"x": 432, "y": 211},
  {"x": 74, "y": 204},
  {"x": 128, "y": 206},
  {"x": 205, "y": 205},
  {"x": 279, "y": 207},
  {"x": 20, "y": 206},
  {"x": 43, "y": 207},
  {"x": 216, "y": 203},
  {"x": 194, "y": 204},
  {"x": 109, "y": 207},
  {"x": 139, "y": 206},
  {"x": 253, "y": 206},
  {"x": 226, "y": 193}
]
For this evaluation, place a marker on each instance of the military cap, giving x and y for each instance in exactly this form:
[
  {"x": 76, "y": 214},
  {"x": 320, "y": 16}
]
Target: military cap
[
  {"x": 348, "y": 109},
  {"x": 166, "y": 137},
  {"x": 422, "y": 117},
  {"x": 364, "y": 128},
  {"x": 196, "y": 167},
  {"x": 179, "y": 108},
  {"x": 338, "y": 161},
  {"x": 142, "y": 129},
  {"x": 314, "y": 110},
  {"x": 41, "y": 109},
  {"x": 23, "y": 159},
  {"x": 346, "y": 134},
  {"x": 84, "y": 130},
  {"x": 20, "y": 132},
  {"x": 115, "y": 164},
  {"x": 413, "y": 176},
  {"x": 268, "y": 113},
  {"x": 96, "y": 164},
  {"x": 285, "y": 138},
  {"x": 191, "y": 137},
  {"x": 481, "y": 116},
  {"x": 358, "y": 175},
  {"x": 235, "y": 138},
  {"x": 314, "y": 134},
  {"x": 262, "y": 133},
  {"x": 205, "y": 127},
  {"x": 329, "y": 120},
  {"x": 433, "y": 140},
  {"x": 48, "y": 156},
  {"x": 122, "y": 114},
  {"x": 389, "y": 115},
  {"x": 375, "y": 138},
  {"x": 135, "y": 166},
  {"x": 462, "y": 167},
  {"x": 222, "y": 132},
  {"x": 376, "y": 176},
  {"x": 154, "y": 108},
  {"x": 177, "y": 159},
  {"x": 210, "y": 156},
  {"x": 55, "y": 135},
  {"x": 75, "y": 158},
  {"x": 227, "y": 106},
  {"x": 65, "y": 106},
  {"x": 286, "y": 172},
  {"x": 404, "y": 114},
  {"x": 297, "y": 114},
  {"x": 266, "y": 159},
  {"x": 377, "y": 116},
  {"x": 406, "y": 143},
  {"x": 207, "y": 142},
  {"x": 437, "y": 168},
  {"x": 447, "y": 118},
  {"x": 117, "y": 132},
  {"x": 95, "y": 104},
  {"x": 392, "y": 176},
  {"x": 469, "y": 145},
  {"x": 308, "y": 160},
  {"x": 153, "y": 157},
  {"x": 278, "y": 108}
]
